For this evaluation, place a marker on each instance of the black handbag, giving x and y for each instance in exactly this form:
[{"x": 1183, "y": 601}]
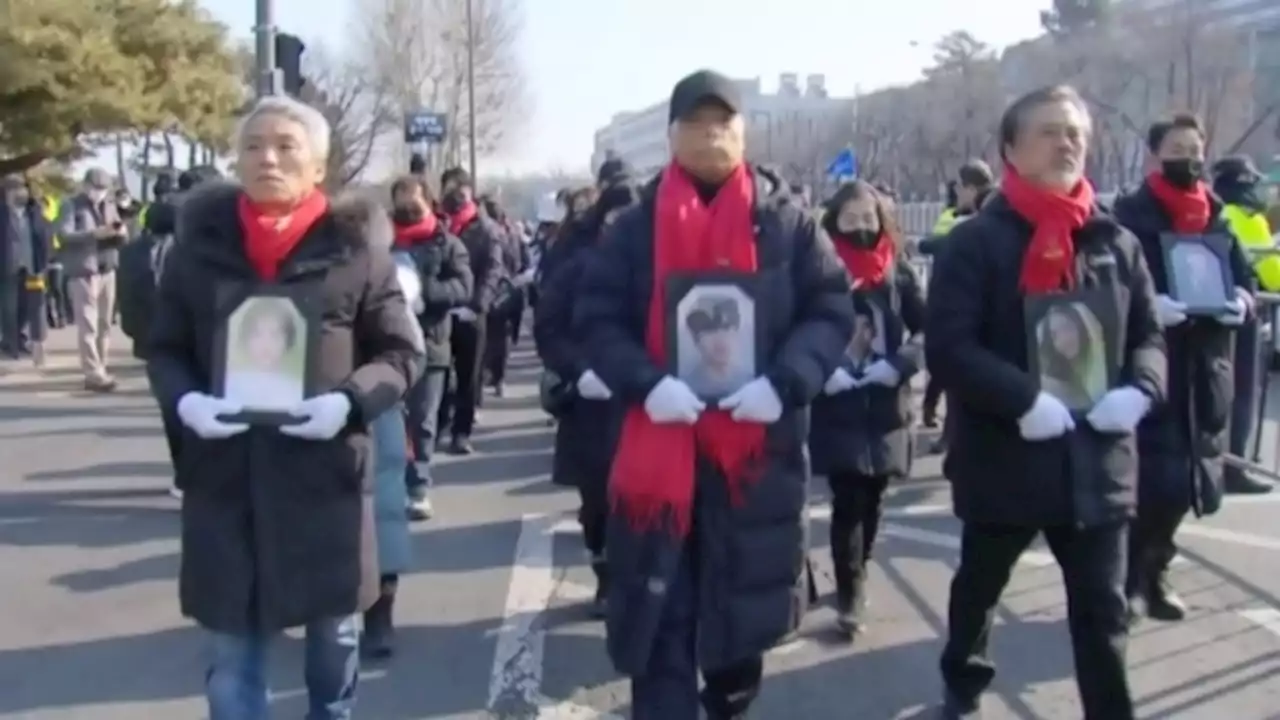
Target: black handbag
[{"x": 555, "y": 394}]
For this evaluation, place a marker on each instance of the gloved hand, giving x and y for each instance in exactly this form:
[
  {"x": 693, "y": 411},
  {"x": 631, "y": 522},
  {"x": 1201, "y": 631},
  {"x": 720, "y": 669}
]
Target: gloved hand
[
  {"x": 880, "y": 372},
  {"x": 464, "y": 314},
  {"x": 324, "y": 416},
  {"x": 418, "y": 306},
  {"x": 591, "y": 387},
  {"x": 756, "y": 401},
  {"x": 672, "y": 401},
  {"x": 839, "y": 382},
  {"x": 200, "y": 412},
  {"x": 525, "y": 277},
  {"x": 1238, "y": 310},
  {"x": 1047, "y": 418},
  {"x": 1170, "y": 312},
  {"x": 1119, "y": 411}
]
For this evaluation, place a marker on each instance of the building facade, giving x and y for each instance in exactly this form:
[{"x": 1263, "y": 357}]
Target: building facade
[{"x": 797, "y": 129}]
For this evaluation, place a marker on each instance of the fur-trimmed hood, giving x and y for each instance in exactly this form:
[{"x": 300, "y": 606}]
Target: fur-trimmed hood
[{"x": 211, "y": 208}]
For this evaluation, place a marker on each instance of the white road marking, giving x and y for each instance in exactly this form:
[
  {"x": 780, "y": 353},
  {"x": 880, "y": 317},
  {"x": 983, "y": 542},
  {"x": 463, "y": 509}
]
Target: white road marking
[
  {"x": 516, "y": 678},
  {"x": 1262, "y": 542},
  {"x": 1266, "y": 618}
]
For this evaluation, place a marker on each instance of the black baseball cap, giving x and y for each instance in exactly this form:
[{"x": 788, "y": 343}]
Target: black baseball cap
[{"x": 701, "y": 88}]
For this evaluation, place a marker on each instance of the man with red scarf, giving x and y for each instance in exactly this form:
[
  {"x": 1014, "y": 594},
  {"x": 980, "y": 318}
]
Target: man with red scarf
[
  {"x": 484, "y": 249},
  {"x": 1182, "y": 441},
  {"x": 1020, "y": 463},
  {"x": 707, "y": 544}
]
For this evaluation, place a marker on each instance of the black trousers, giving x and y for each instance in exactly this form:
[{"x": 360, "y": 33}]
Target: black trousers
[
  {"x": 497, "y": 348},
  {"x": 593, "y": 515},
  {"x": 1093, "y": 564},
  {"x": 467, "y": 342},
  {"x": 856, "y": 509},
  {"x": 932, "y": 395},
  {"x": 1151, "y": 545}
]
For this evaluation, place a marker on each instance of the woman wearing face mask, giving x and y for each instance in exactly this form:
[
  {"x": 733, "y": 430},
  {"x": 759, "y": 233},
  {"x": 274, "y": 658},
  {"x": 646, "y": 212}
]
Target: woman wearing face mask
[
  {"x": 860, "y": 434},
  {"x": 1181, "y": 441}
]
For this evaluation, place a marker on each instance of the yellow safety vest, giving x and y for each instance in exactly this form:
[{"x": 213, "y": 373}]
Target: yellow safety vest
[
  {"x": 946, "y": 221},
  {"x": 50, "y": 211},
  {"x": 1254, "y": 233}
]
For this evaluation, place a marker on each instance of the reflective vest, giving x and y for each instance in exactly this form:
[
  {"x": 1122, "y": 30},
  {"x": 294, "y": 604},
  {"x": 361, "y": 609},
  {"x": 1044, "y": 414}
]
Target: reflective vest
[
  {"x": 1254, "y": 233},
  {"x": 50, "y": 209},
  {"x": 946, "y": 221}
]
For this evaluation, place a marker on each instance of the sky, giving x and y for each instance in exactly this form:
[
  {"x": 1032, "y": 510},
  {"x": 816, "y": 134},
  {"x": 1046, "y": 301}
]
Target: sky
[{"x": 586, "y": 60}]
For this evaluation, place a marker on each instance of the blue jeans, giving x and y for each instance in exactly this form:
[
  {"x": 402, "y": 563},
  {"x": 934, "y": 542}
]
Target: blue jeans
[
  {"x": 236, "y": 681},
  {"x": 423, "y": 411}
]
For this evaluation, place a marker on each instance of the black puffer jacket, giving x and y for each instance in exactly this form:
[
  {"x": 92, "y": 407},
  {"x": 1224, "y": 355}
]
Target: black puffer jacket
[
  {"x": 447, "y": 283},
  {"x": 976, "y": 345},
  {"x": 1182, "y": 440},
  {"x": 483, "y": 242},
  {"x": 752, "y": 590}
]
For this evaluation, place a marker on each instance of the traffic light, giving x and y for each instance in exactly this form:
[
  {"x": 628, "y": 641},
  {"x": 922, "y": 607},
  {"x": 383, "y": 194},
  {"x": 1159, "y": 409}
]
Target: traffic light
[{"x": 289, "y": 62}]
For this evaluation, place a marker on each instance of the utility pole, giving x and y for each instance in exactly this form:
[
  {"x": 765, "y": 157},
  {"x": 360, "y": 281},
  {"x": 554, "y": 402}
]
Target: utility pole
[
  {"x": 265, "y": 56},
  {"x": 471, "y": 87}
]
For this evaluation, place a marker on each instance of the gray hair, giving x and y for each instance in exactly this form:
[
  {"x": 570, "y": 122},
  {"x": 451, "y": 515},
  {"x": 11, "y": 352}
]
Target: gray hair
[{"x": 313, "y": 121}]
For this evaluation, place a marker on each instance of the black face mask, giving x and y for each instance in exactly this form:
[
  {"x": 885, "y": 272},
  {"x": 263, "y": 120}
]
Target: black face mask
[
  {"x": 863, "y": 237},
  {"x": 410, "y": 214},
  {"x": 453, "y": 201},
  {"x": 1182, "y": 173}
]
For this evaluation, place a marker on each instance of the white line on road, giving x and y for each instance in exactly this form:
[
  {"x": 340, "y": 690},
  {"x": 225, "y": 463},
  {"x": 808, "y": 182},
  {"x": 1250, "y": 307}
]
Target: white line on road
[
  {"x": 516, "y": 679},
  {"x": 1266, "y": 618},
  {"x": 1261, "y": 542}
]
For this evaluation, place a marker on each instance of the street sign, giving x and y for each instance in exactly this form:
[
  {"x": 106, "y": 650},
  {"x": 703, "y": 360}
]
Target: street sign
[{"x": 424, "y": 127}]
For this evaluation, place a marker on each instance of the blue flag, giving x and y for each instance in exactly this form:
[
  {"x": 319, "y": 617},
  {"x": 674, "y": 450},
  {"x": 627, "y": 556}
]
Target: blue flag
[{"x": 844, "y": 164}]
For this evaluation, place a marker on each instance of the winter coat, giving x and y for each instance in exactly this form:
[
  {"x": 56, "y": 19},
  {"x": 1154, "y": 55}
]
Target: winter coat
[
  {"x": 867, "y": 430},
  {"x": 751, "y": 586},
  {"x": 278, "y": 531},
  {"x": 483, "y": 241},
  {"x": 447, "y": 283},
  {"x": 41, "y": 237},
  {"x": 587, "y": 430},
  {"x": 976, "y": 346},
  {"x": 82, "y": 254},
  {"x": 1182, "y": 441}
]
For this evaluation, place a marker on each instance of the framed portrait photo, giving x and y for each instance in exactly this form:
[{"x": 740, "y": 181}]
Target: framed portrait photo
[
  {"x": 1199, "y": 272},
  {"x": 266, "y": 347},
  {"x": 870, "y": 341},
  {"x": 1073, "y": 345},
  {"x": 714, "y": 337}
]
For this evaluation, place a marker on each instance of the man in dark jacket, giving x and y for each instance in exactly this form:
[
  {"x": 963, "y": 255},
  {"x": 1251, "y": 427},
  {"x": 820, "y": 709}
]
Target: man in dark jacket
[
  {"x": 696, "y": 480},
  {"x": 442, "y": 262},
  {"x": 1181, "y": 442},
  {"x": 26, "y": 242},
  {"x": 484, "y": 249},
  {"x": 1020, "y": 462},
  {"x": 277, "y": 513},
  {"x": 503, "y": 322}
]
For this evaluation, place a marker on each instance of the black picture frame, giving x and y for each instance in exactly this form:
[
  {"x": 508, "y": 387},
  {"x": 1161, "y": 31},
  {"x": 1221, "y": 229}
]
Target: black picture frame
[
  {"x": 1078, "y": 377},
  {"x": 715, "y": 301},
  {"x": 871, "y": 312},
  {"x": 1211, "y": 295},
  {"x": 269, "y": 394}
]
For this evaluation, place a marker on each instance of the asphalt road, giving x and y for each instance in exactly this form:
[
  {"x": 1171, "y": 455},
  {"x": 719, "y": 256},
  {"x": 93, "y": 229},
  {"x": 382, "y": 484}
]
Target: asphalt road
[{"x": 493, "y": 621}]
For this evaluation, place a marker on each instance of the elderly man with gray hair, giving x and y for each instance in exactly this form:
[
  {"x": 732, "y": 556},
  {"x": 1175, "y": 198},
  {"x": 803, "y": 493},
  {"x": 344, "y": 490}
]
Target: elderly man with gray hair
[
  {"x": 92, "y": 232},
  {"x": 278, "y": 515}
]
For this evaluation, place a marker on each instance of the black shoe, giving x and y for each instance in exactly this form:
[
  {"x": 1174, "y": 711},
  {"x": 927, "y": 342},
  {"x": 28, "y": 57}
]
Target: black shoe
[
  {"x": 378, "y": 642},
  {"x": 600, "y": 603},
  {"x": 1164, "y": 604},
  {"x": 499, "y": 390},
  {"x": 461, "y": 445},
  {"x": 1242, "y": 484},
  {"x": 953, "y": 708}
]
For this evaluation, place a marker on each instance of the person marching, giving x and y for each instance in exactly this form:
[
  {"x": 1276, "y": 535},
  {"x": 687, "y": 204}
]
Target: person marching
[{"x": 860, "y": 436}]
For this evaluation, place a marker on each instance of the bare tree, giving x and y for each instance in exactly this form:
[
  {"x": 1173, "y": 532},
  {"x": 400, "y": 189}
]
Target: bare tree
[
  {"x": 356, "y": 107},
  {"x": 416, "y": 51}
]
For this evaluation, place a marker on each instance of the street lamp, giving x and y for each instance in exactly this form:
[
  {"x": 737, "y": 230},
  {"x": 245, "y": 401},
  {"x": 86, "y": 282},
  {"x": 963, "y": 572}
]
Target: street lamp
[
  {"x": 265, "y": 51},
  {"x": 471, "y": 89}
]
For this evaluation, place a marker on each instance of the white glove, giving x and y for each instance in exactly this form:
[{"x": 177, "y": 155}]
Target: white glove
[
  {"x": 525, "y": 277},
  {"x": 591, "y": 387},
  {"x": 880, "y": 372},
  {"x": 324, "y": 416},
  {"x": 756, "y": 401},
  {"x": 1119, "y": 411},
  {"x": 200, "y": 413},
  {"x": 1047, "y": 418},
  {"x": 418, "y": 306},
  {"x": 1170, "y": 312},
  {"x": 464, "y": 314},
  {"x": 1238, "y": 310},
  {"x": 672, "y": 401},
  {"x": 839, "y": 381}
]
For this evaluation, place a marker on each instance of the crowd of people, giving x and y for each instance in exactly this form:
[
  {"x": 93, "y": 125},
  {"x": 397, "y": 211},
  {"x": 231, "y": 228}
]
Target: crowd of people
[{"x": 709, "y": 343}]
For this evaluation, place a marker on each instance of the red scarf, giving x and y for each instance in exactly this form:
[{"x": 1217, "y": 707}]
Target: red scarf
[
  {"x": 465, "y": 214},
  {"x": 1050, "y": 262},
  {"x": 1189, "y": 209},
  {"x": 270, "y": 234},
  {"x": 652, "y": 479},
  {"x": 867, "y": 266},
  {"x": 409, "y": 235}
]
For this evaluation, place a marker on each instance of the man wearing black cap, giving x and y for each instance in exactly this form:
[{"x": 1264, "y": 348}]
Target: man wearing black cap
[
  {"x": 484, "y": 248},
  {"x": 696, "y": 480},
  {"x": 613, "y": 171}
]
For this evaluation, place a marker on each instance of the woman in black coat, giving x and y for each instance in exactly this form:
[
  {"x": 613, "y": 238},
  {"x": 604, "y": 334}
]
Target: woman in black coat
[
  {"x": 861, "y": 432},
  {"x": 588, "y": 418},
  {"x": 277, "y": 519}
]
